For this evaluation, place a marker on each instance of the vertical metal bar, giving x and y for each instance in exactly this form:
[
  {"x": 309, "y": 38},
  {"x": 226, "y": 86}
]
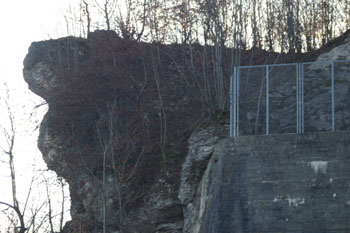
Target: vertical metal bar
[
  {"x": 333, "y": 120},
  {"x": 237, "y": 100},
  {"x": 297, "y": 96},
  {"x": 232, "y": 102},
  {"x": 235, "y": 104},
  {"x": 267, "y": 101},
  {"x": 302, "y": 97},
  {"x": 299, "y": 99}
]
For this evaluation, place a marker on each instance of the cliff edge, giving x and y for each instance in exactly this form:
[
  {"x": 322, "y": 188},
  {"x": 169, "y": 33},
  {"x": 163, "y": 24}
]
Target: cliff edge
[
  {"x": 122, "y": 129},
  {"x": 116, "y": 129}
]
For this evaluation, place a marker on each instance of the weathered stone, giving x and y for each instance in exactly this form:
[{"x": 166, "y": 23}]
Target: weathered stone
[
  {"x": 77, "y": 77},
  {"x": 341, "y": 52},
  {"x": 201, "y": 147},
  {"x": 283, "y": 183}
]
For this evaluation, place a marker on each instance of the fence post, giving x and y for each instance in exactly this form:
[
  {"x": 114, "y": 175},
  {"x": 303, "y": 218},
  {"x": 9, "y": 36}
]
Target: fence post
[
  {"x": 302, "y": 98},
  {"x": 297, "y": 95},
  {"x": 333, "y": 120},
  {"x": 237, "y": 100},
  {"x": 232, "y": 107},
  {"x": 267, "y": 101}
]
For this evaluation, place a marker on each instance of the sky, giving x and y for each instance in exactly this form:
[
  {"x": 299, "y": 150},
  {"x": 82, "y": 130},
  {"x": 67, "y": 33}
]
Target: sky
[{"x": 22, "y": 22}]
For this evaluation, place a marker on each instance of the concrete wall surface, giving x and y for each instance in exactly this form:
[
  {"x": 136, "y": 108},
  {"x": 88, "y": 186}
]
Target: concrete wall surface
[{"x": 278, "y": 183}]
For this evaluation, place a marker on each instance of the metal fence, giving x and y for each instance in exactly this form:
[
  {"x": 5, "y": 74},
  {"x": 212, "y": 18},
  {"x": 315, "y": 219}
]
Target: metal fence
[{"x": 270, "y": 99}]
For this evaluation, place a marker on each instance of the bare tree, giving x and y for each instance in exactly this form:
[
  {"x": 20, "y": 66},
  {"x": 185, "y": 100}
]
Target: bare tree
[
  {"x": 25, "y": 216},
  {"x": 10, "y": 136},
  {"x": 87, "y": 12}
]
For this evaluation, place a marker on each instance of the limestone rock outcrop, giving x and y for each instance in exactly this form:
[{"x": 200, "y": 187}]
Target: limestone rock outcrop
[
  {"x": 339, "y": 51},
  {"x": 123, "y": 129},
  {"x": 105, "y": 130},
  {"x": 194, "y": 176}
]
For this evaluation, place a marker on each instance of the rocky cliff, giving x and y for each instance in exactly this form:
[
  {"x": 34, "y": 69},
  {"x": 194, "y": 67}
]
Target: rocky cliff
[
  {"x": 116, "y": 129},
  {"x": 123, "y": 129}
]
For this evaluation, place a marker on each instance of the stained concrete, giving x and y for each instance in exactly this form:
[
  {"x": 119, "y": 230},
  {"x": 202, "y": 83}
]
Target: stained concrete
[{"x": 278, "y": 183}]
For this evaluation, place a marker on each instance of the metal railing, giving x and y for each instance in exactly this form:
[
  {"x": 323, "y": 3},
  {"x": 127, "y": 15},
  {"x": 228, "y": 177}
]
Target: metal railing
[{"x": 277, "y": 89}]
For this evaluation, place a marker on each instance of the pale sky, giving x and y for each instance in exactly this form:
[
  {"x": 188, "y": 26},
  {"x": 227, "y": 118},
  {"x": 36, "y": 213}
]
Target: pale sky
[{"x": 22, "y": 22}]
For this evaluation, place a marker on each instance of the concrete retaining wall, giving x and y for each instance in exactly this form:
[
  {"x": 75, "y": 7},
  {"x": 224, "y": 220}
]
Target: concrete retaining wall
[{"x": 281, "y": 183}]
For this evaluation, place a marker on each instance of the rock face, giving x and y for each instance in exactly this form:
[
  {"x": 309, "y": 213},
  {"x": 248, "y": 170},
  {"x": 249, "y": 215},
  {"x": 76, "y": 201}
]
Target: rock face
[
  {"x": 317, "y": 96},
  {"x": 118, "y": 128},
  {"x": 107, "y": 132},
  {"x": 341, "y": 52},
  {"x": 194, "y": 178}
]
